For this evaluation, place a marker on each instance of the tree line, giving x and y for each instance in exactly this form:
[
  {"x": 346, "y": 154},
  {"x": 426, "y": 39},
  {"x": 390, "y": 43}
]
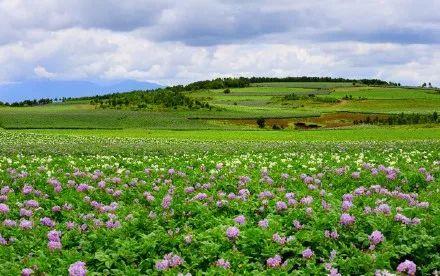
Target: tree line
[
  {"x": 28, "y": 103},
  {"x": 401, "y": 119}
]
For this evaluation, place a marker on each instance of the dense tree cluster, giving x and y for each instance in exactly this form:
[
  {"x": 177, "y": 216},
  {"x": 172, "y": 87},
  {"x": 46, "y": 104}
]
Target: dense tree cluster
[
  {"x": 219, "y": 83},
  {"x": 320, "y": 79},
  {"x": 28, "y": 103},
  {"x": 145, "y": 99},
  {"x": 401, "y": 119}
]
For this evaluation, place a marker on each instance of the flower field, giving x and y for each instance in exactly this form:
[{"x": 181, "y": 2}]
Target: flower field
[{"x": 289, "y": 208}]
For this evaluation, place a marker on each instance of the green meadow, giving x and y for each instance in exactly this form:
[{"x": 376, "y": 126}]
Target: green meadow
[{"x": 332, "y": 107}]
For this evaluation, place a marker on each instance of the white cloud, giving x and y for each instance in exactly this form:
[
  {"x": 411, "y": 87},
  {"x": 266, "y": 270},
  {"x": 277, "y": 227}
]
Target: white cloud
[{"x": 41, "y": 72}]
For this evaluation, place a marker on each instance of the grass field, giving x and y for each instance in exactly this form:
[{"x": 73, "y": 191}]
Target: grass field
[
  {"x": 205, "y": 191},
  {"x": 351, "y": 134}
]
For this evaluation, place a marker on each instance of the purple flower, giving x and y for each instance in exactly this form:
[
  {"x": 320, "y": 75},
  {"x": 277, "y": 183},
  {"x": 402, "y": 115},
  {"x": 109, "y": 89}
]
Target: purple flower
[
  {"x": 375, "y": 238},
  {"x": 54, "y": 235},
  {"x": 3, "y": 241},
  {"x": 70, "y": 225},
  {"x": 174, "y": 260},
  {"x": 281, "y": 206},
  {"x": 408, "y": 267},
  {"x": 112, "y": 224},
  {"x": 240, "y": 219},
  {"x": 403, "y": 219},
  {"x": 429, "y": 177},
  {"x": 278, "y": 239},
  {"x": 26, "y": 224},
  {"x": 170, "y": 260},
  {"x": 297, "y": 225},
  {"x": 356, "y": 175},
  {"x": 223, "y": 263},
  {"x": 232, "y": 232},
  {"x": 346, "y": 205},
  {"x": 166, "y": 201},
  {"x": 78, "y": 269},
  {"x": 9, "y": 223},
  {"x": 347, "y": 197},
  {"x": 4, "y": 208},
  {"x": 306, "y": 200},
  {"x": 383, "y": 208},
  {"x": 47, "y": 222},
  {"x": 25, "y": 213},
  {"x": 162, "y": 265},
  {"x": 346, "y": 219},
  {"x": 263, "y": 223},
  {"x": 274, "y": 261},
  {"x": 307, "y": 253},
  {"x": 54, "y": 245},
  {"x": 26, "y": 272},
  {"x": 201, "y": 196},
  {"x": 83, "y": 188}
]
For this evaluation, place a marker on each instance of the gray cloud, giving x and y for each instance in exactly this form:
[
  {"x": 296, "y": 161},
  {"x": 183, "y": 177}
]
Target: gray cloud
[{"x": 180, "y": 41}]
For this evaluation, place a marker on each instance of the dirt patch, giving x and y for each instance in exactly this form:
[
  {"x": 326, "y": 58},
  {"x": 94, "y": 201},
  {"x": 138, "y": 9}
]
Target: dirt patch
[{"x": 328, "y": 120}]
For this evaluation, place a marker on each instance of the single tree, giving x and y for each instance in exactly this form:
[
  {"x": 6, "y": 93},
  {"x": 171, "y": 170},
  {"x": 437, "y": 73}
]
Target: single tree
[{"x": 261, "y": 122}]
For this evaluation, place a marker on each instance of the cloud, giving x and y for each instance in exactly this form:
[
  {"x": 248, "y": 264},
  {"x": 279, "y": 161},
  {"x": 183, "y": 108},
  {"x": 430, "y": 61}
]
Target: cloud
[
  {"x": 182, "y": 41},
  {"x": 40, "y": 71}
]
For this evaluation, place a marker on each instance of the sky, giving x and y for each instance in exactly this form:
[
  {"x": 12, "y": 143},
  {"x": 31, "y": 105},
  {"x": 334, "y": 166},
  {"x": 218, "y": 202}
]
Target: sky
[{"x": 174, "y": 42}]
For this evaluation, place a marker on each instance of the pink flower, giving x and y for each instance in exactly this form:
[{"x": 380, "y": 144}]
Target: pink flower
[{"x": 408, "y": 267}]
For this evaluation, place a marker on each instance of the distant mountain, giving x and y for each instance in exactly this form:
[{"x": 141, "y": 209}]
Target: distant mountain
[{"x": 37, "y": 89}]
